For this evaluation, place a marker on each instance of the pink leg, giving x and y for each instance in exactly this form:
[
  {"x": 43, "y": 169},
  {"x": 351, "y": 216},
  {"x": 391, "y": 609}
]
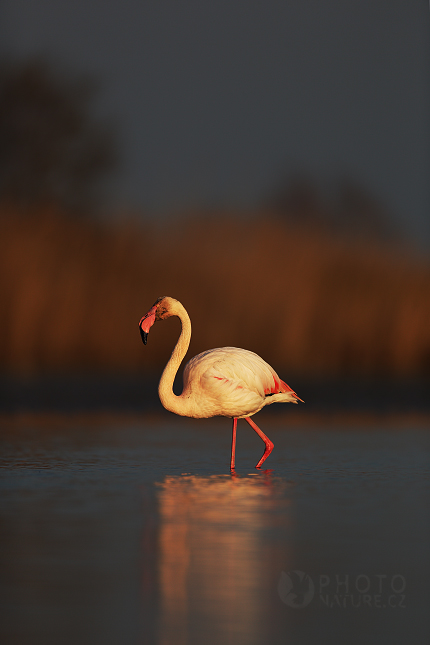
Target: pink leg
[
  {"x": 269, "y": 444},
  {"x": 233, "y": 445}
]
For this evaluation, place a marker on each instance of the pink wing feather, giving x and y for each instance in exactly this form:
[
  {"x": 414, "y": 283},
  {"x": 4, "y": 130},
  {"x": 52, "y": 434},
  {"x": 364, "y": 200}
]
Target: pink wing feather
[{"x": 279, "y": 387}]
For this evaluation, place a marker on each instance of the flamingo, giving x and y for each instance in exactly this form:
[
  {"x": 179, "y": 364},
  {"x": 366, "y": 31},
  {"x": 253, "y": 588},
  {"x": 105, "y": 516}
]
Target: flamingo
[{"x": 227, "y": 381}]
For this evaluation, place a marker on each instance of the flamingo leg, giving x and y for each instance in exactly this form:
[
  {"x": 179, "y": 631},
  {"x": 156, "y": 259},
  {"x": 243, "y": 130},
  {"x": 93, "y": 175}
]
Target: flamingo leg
[
  {"x": 233, "y": 445},
  {"x": 269, "y": 444}
]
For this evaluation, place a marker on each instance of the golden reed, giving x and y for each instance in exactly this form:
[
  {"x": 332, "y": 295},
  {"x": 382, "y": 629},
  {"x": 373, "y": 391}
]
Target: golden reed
[{"x": 72, "y": 292}]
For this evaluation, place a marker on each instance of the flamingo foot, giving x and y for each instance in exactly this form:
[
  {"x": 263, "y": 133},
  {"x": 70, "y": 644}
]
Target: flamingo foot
[{"x": 269, "y": 444}]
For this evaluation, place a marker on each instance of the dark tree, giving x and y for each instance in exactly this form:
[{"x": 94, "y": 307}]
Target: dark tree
[
  {"x": 51, "y": 149},
  {"x": 351, "y": 210},
  {"x": 298, "y": 199}
]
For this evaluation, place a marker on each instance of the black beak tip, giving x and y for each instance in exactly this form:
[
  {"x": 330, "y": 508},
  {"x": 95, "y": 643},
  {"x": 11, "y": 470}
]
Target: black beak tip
[{"x": 144, "y": 335}]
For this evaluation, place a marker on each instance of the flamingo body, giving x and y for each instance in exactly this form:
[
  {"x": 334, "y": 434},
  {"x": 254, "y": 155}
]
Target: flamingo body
[
  {"x": 232, "y": 382},
  {"x": 227, "y": 381}
]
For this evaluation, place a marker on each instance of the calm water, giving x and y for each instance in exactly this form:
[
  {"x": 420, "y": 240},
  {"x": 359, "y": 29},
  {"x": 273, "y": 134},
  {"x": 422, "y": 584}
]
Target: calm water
[{"x": 139, "y": 534}]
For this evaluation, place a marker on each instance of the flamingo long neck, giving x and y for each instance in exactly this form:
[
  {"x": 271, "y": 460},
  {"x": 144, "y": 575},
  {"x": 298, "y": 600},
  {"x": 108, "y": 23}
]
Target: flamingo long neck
[{"x": 176, "y": 404}]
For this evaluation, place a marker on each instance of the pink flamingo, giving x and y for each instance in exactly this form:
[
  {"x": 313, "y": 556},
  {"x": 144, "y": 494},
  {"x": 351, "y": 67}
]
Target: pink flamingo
[{"x": 227, "y": 381}]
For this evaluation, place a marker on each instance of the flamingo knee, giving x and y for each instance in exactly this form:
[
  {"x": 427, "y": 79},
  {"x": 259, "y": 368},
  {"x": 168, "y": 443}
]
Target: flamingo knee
[{"x": 269, "y": 444}]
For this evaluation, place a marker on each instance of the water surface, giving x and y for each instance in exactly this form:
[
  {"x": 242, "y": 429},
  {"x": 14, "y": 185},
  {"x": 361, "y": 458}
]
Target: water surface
[{"x": 136, "y": 532}]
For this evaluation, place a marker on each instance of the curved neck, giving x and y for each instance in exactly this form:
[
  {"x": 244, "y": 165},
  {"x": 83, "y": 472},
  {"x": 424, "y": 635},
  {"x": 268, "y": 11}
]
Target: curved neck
[{"x": 165, "y": 388}]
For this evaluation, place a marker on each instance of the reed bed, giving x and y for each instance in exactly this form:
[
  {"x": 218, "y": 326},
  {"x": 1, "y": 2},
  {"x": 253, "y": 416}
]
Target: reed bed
[{"x": 72, "y": 292}]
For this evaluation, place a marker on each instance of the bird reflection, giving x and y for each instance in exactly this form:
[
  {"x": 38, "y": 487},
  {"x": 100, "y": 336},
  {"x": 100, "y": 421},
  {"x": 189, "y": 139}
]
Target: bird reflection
[{"x": 217, "y": 554}]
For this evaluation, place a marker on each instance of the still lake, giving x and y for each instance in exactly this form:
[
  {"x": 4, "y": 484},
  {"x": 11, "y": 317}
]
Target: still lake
[{"x": 134, "y": 531}]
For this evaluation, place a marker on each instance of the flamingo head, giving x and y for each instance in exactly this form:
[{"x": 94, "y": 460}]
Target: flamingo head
[{"x": 160, "y": 310}]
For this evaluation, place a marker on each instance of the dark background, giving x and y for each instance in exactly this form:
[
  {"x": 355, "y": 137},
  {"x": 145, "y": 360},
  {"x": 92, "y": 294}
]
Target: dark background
[
  {"x": 232, "y": 155},
  {"x": 216, "y": 103}
]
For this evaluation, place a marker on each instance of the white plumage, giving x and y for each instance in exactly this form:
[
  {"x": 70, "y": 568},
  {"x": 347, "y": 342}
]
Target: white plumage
[
  {"x": 232, "y": 382},
  {"x": 227, "y": 381}
]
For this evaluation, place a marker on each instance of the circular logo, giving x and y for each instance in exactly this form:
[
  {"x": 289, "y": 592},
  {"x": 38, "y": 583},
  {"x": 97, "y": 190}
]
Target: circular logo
[{"x": 296, "y": 589}]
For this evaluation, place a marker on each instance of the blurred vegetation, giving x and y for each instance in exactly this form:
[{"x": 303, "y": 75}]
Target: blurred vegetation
[
  {"x": 315, "y": 290},
  {"x": 52, "y": 151},
  {"x": 72, "y": 292}
]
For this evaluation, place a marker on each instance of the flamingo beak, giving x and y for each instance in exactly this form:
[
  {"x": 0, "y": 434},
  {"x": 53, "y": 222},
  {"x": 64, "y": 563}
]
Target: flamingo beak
[{"x": 146, "y": 323}]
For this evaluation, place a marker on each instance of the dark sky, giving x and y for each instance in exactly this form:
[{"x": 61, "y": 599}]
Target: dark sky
[{"x": 217, "y": 99}]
